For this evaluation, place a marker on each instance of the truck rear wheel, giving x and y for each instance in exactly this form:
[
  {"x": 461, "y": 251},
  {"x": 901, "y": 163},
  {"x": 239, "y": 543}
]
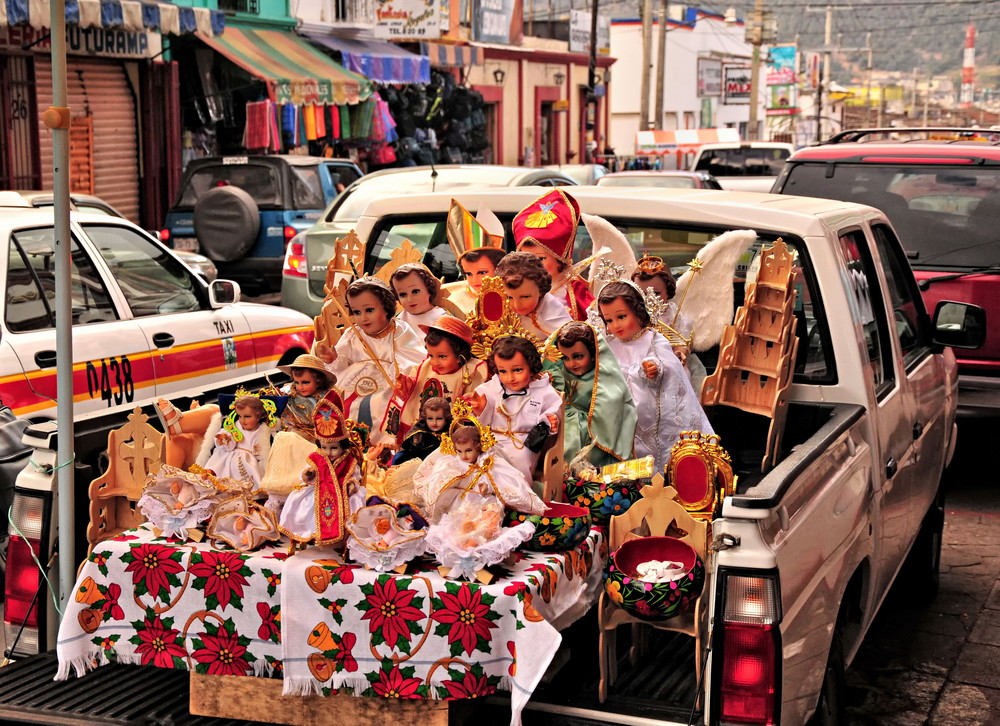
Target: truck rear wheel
[
  {"x": 830, "y": 707},
  {"x": 920, "y": 575}
]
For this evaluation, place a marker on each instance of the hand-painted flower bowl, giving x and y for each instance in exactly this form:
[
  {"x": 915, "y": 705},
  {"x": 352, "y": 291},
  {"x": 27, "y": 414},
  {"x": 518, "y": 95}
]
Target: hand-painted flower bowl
[
  {"x": 560, "y": 528},
  {"x": 604, "y": 499},
  {"x": 654, "y": 600}
]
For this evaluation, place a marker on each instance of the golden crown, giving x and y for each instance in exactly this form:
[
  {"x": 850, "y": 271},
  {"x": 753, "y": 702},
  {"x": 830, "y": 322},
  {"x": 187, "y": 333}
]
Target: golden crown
[{"x": 461, "y": 413}]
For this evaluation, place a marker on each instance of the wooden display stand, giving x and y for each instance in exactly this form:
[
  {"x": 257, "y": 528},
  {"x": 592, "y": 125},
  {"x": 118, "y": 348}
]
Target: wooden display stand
[
  {"x": 249, "y": 699},
  {"x": 135, "y": 451},
  {"x": 657, "y": 513},
  {"x": 757, "y": 353}
]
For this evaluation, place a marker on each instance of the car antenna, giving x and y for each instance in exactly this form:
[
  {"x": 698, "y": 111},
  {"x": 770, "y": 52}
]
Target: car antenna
[{"x": 434, "y": 176}]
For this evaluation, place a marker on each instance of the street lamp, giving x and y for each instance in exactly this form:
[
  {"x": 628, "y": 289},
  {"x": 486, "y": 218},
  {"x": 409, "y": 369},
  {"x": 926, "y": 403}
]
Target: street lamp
[{"x": 498, "y": 76}]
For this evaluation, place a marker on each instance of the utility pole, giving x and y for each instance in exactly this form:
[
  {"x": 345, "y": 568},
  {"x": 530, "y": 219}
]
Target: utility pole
[
  {"x": 647, "y": 42},
  {"x": 868, "y": 88},
  {"x": 758, "y": 31},
  {"x": 927, "y": 98},
  {"x": 825, "y": 79},
  {"x": 591, "y": 84},
  {"x": 661, "y": 66}
]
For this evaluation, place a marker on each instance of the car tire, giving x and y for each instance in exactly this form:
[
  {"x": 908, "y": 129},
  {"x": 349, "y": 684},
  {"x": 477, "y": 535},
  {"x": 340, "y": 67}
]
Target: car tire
[
  {"x": 920, "y": 576},
  {"x": 226, "y": 223},
  {"x": 830, "y": 709}
]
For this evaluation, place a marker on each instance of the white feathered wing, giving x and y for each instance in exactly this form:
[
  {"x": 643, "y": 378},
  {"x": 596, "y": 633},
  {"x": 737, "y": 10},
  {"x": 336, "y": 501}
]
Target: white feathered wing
[
  {"x": 610, "y": 244},
  {"x": 709, "y": 302}
]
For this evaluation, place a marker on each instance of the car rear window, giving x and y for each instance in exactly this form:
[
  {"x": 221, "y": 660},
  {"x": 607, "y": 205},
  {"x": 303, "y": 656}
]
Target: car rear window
[
  {"x": 258, "y": 180},
  {"x": 944, "y": 216},
  {"x": 743, "y": 161}
]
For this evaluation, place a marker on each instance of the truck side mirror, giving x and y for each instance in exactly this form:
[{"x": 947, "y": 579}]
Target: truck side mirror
[
  {"x": 223, "y": 292},
  {"x": 959, "y": 325}
]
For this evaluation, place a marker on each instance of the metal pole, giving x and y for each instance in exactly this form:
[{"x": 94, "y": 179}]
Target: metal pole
[
  {"x": 647, "y": 52},
  {"x": 868, "y": 87},
  {"x": 758, "y": 32},
  {"x": 591, "y": 83},
  {"x": 661, "y": 66},
  {"x": 58, "y": 118},
  {"x": 927, "y": 97}
]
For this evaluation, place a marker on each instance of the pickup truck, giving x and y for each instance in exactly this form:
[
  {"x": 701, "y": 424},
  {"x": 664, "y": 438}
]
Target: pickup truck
[{"x": 802, "y": 555}]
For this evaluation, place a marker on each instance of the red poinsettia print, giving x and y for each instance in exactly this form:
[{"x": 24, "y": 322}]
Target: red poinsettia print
[
  {"x": 392, "y": 684},
  {"x": 390, "y": 610},
  {"x": 223, "y": 653},
  {"x": 471, "y": 686},
  {"x": 111, "y": 608},
  {"x": 466, "y": 615},
  {"x": 152, "y": 565},
  {"x": 158, "y": 644},
  {"x": 269, "y": 629},
  {"x": 223, "y": 578}
]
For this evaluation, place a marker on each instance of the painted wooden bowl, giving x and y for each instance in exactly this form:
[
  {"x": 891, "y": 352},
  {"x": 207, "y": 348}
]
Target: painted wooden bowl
[
  {"x": 561, "y": 527},
  {"x": 654, "y": 600},
  {"x": 604, "y": 499}
]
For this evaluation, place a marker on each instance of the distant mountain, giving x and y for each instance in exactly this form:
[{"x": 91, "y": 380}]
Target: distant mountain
[{"x": 906, "y": 34}]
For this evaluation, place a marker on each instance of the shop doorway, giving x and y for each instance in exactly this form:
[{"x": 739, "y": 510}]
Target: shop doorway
[
  {"x": 547, "y": 123},
  {"x": 19, "y": 167},
  {"x": 493, "y": 100}
]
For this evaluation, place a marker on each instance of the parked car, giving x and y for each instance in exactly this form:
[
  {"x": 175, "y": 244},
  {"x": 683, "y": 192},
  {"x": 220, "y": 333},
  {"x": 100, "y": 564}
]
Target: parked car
[
  {"x": 799, "y": 558},
  {"x": 241, "y": 211},
  {"x": 145, "y": 325},
  {"x": 746, "y": 166},
  {"x": 940, "y": 188},
  {"x": 662, "y": 179},
  {"x": 96, "y": 205},
  {"x": 583, "y": 173},
  {"x": 304, "y": 271}
]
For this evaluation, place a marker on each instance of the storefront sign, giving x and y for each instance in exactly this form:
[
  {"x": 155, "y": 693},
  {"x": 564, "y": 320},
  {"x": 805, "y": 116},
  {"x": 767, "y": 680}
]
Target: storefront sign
[
  {"x": 498, "y": 21},
  {"x": 782, "y": 85},
  {"x": 399, "y": 19},
  {"x": 709, "y": 78},
  {"x": 100, "y": 42},
  {"x": 579, "y": 33},
  {"x": 736, "y": 85}
]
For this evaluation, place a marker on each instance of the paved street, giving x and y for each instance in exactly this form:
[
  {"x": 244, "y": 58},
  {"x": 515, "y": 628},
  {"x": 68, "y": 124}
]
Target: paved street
[{"x": 940, "y": 664}]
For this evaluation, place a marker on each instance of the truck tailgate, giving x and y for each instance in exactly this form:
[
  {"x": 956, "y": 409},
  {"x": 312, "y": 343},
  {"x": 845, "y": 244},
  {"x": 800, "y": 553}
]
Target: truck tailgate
[{"x": 113, "y": 694}]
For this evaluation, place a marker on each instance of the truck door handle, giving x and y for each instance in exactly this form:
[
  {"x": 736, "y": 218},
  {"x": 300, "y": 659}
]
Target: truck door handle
[
  {"x": 45, "y": 359},
  {"x": 918, "y": 429},
  {"x": 891, "y": 466},
  {"x": 163, "y": 340}
]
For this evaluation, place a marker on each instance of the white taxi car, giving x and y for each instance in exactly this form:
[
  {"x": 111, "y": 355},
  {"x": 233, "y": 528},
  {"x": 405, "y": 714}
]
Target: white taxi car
[{"x": 144, "y": 324}]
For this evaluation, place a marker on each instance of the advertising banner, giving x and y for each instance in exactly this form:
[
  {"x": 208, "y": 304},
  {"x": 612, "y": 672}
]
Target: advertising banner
[
  {"x": 402, "y": 19},
  {"x": 736, "y": 85},
  {"x": 709, "y": 78},
  {"x": 579, "y": 33},
  {"x": 782, "y": 83},
  {"x": 498, "y": 21}
]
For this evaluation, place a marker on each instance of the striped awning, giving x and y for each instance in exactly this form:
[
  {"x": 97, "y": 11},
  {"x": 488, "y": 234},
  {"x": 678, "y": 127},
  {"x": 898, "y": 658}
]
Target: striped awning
[
  {"x": 158, "y": 17},
  {"x": 663, "y": 141},
  {"x": 378, "y": 60},
  {"x": 295, "y": 72},
  {"x": 443, "y": 55}
]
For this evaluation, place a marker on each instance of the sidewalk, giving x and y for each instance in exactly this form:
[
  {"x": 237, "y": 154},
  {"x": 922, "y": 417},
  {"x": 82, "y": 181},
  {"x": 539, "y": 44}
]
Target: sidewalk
[{"x": 939, "y": 664}]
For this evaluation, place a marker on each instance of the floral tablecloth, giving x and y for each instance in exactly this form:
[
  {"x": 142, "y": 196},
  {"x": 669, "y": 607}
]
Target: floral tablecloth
[{"x": 323, "y": 625}]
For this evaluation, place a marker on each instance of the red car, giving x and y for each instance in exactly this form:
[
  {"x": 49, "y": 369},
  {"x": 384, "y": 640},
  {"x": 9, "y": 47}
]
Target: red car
[{"x": 940, "y": 188}]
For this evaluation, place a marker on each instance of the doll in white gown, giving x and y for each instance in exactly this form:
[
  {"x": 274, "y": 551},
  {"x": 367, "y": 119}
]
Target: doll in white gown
[
  {"x": 242, "y": 446},
  {"x": 417, "y": 289},
  {"x": 528, "y": 289},
  {"x": 664, "y": 399},
  {"x": 371, "y": 354}
]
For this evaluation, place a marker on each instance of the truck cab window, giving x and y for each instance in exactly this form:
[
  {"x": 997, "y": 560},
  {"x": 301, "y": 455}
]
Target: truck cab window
[
  {"x": 31, "y": 287},
  {"x": 864, "y": 295},
  {"x": 907, "y": 305}
]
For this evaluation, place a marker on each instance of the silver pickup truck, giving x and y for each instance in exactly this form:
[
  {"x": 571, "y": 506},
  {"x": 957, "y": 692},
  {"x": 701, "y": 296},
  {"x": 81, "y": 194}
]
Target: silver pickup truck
[{"x": 802, "y": 556}]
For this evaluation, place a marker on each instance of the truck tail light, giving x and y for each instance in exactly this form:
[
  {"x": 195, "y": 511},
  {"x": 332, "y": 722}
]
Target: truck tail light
[
  {"x": 164, "y": 236},
  {"x": 26, "y": 600},
  {"x": 295, "y": 257},
  {"x": 289, "y": 233},
  {"x": 748, "y": 668}
]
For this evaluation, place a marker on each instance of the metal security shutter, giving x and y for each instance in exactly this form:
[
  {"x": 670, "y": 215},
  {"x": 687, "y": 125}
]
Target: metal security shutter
[{"x": 99, "y": 89}]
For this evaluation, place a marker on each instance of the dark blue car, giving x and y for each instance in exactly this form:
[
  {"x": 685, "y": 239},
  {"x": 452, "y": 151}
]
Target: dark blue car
[{"x": 241, "y": 211}]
